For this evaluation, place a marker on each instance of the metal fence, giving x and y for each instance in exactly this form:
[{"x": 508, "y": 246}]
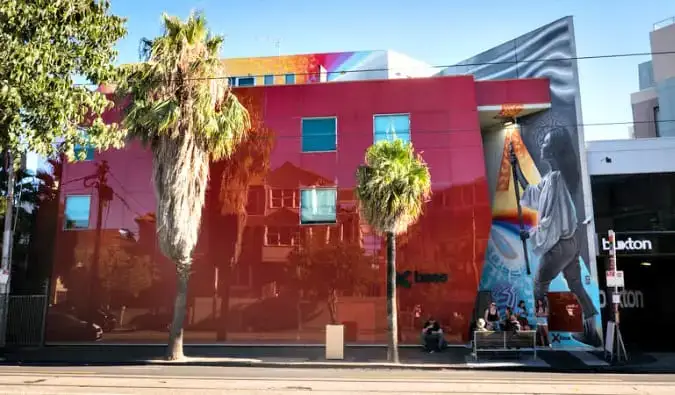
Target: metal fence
[{"x": 25, "y": 320}]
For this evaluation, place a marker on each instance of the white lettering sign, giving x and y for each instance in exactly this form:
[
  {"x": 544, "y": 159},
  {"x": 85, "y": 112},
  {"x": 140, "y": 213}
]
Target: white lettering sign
[
  {"x": 629, "y": 299},
  {"x": 629, "y": 244}
]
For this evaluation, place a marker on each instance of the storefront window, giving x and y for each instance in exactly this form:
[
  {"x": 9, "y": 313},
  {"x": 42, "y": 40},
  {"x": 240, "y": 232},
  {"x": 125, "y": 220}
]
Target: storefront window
[{"x": 634, "y": 202}]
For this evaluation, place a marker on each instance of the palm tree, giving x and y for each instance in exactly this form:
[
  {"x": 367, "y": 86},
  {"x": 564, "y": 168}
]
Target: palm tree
[
  {"x": 391, "y": 188},
  {"x": 182, "y": 108}
]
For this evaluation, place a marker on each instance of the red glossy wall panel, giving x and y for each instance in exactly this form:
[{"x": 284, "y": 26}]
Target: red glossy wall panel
[
  {"x": 518, "y": 91},
  {"x": 252, "y": 282}
]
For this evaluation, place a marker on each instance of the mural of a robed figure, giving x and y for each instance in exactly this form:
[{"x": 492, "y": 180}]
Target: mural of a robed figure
[
  {"x": 554, "y": 191},
  {"x": 555, "y": 237}
]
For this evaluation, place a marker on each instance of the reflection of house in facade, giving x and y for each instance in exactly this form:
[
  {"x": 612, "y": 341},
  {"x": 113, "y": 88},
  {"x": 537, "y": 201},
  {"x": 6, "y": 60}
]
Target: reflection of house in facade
[{"x": 261, "y": 272}]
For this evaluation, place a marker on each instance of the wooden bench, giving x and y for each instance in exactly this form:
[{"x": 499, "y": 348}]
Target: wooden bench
[{"x": 507, "y": 341}]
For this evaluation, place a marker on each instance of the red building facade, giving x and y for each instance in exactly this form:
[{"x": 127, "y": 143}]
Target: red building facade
[{"x": 261, "y": 275}]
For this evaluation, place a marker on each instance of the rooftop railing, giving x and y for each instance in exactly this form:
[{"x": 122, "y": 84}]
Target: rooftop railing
[{"x": 664, "y": 23}]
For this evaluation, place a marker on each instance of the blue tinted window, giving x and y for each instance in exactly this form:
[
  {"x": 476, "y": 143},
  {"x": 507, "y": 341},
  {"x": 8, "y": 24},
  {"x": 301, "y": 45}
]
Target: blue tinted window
[
  {"x": 88, "y": 152},
  {"x": 319, "y": 134},
  {"x": 269, "y": 80},
  {"x": 318, "y": 205},
  {"x": 388, "y": 127},
  {"x": 246, "y": 81},
  {"x": 77, "y": 212},
  {"x": 232, "y": 81},
  {"x": 290, "y": 78}
]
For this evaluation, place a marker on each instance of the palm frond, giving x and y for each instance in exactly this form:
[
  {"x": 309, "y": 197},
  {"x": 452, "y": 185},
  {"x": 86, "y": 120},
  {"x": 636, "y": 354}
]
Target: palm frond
[{"x": 392, "y": 186}]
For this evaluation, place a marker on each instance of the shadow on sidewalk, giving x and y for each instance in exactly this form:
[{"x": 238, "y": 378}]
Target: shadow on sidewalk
[{"x": 102, "y": 354}]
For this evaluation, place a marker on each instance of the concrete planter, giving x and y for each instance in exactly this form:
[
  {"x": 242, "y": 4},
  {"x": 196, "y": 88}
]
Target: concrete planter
[{"x": 335, "y": 341}]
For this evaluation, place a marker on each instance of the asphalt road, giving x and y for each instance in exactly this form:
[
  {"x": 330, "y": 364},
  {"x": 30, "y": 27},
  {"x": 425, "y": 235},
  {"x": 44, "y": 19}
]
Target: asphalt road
[{"x": 216, "y": 380}]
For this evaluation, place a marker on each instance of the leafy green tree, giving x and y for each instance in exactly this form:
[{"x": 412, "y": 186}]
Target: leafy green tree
[
  {"x": 391, "y": 188},
  {"x": 182, "y": 109},
  {"x": 44, "y": 46}
]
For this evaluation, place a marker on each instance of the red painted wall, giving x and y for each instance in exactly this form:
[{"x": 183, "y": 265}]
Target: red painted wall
[{"x": 244, "y": 290}]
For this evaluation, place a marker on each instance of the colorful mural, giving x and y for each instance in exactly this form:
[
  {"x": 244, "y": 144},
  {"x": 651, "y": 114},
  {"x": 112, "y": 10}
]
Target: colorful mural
[
  {"x": 311, "y": 68},
  {"x": 504, "y": 275}
]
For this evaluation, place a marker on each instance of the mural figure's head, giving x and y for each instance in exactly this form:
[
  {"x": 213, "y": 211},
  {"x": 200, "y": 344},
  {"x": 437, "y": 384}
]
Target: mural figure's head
[{"x": 559, "y": 153}]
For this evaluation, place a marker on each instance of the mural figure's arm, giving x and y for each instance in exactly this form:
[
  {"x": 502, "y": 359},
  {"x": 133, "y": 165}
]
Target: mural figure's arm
[{"x": 519, "y": 177}]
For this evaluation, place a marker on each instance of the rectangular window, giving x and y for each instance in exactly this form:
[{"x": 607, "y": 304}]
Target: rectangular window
[
  {"x": 283, "y": 198},
  {"x": 319, "y": 134},
  {"x": 318, "y": 206},
  {"x": 388, "y": 127},
  {"x": 246, "y": 81},
  {"x": 77, "y": 212},
  {"x": 656, "y": 121},
  {"x": 290, "y": 79},
  {"x": 232, "y": 81},
  {"x": 282, "y": 236},
  {"x": 269, "y": 80},
  {"x": 88, "y": 152}
]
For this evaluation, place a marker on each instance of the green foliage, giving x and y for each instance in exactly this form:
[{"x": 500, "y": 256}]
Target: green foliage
[
  {"x": 44, "y": 45},
  {"x": 181, "y": 87},
  {"x": 392, "y": 186}
]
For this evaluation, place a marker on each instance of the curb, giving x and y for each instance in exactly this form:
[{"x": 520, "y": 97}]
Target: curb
[{"x": 317, "y": 365}]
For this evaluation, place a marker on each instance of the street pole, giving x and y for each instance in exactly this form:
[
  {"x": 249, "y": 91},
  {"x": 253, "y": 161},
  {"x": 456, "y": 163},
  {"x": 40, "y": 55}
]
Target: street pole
[
  {"x": 6, "y": 263},
  {"x": 104, "y": 195},
  {"x": 617, "y": 340}
]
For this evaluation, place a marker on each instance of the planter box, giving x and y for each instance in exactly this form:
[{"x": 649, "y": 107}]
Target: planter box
[{"x": 335, "y": 342}]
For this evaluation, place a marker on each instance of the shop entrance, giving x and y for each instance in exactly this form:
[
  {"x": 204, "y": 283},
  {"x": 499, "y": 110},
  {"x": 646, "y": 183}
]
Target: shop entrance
[{"x": 648, "y": 308}]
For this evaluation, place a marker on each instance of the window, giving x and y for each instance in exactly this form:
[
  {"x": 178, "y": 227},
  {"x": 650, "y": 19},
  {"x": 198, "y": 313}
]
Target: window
[
  {"x": 232, "y": 81},
  {"x": 77, "y": 212},
  {"x": 656, "y": 121},
  {"x": 269, "y": 79},
  {"x": 388, "y": 127},
  {"x": 290, "y": 79},
  {"x": 284, "y": 198},
  {"x": 88, "y": 152},
  {"x": 246, "y": 81},
  {"x": 319, "y": 134},
  {"x": 318, "y": 206},
  {"x": 282, "y": 236}
]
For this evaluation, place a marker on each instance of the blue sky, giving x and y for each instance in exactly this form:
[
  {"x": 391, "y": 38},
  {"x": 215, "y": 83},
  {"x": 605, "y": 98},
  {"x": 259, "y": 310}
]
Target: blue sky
[{"x": 435, "y": 31}]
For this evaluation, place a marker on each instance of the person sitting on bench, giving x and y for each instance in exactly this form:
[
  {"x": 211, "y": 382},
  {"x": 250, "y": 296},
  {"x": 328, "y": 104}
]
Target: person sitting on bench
[
  {"x": 432, "y": 336},
  {"x": 492, "y": 317},
  {"x": 511, "y": 321}
]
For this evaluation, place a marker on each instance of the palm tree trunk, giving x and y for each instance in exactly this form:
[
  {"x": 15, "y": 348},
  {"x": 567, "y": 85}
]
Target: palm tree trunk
[
  {"x": 392, "y": 311},
  {"x": 175, "y": 349}
]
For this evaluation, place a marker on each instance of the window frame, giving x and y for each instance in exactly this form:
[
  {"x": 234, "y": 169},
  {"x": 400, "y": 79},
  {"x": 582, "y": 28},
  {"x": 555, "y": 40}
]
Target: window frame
[
  {"x": 265, "y": 79},
  {"x": 294, "y": 235},
  {"x": 393, "y": 115},
  {"x": 250, "y": 77},
  {"x": 65, "y": 208},
  {"x": 302, "y": 135},
  {"x": 287, "y": 76},
  {"x": 295, "y": 196},
  {"x": 323, "y": 223}
]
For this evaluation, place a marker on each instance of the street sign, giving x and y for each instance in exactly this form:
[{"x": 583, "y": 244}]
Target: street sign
[{"x": 614, "y": 278}]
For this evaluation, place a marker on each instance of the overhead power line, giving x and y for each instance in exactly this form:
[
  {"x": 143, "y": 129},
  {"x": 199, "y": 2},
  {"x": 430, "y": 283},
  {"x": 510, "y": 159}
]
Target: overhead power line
[{"x": 446, "y": 66}]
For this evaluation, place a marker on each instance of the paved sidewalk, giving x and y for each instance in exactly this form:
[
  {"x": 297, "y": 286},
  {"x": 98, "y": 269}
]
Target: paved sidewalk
[{"x": 305, "y": 357}]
